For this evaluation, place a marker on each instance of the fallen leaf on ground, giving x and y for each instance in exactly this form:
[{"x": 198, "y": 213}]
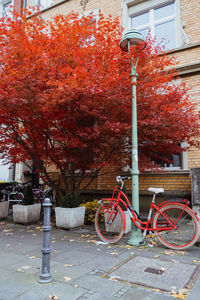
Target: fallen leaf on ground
[
  {"x": 170, "y": 253},
  {"x": 25, "y": 267},
  {"x": 32, "y": 257},
  {"x": 153, "y": 243},
  {"x": 156, "y": 290},
  {"x": 150, "y": 235},
  {"x": 85, "y": 235},
  {"x": 182, "y": 253},
  {"x": 114, "y": 278},
  {"x": 53, "y": 297},
  {"x": 68, "y": 265},
  {"x": 114, "y": 253},
  {"x": 39, "y": 228},
  {"x": 184, "y": 291},
  {"x": 92, "y": 241},
  {"x": 67, "y": 279},
  {"x": 196, "y": 261},
  {"x": 100, "y": 243},
  {"x": 20, "y": 270},
  {"x": 178, "y": 296}
]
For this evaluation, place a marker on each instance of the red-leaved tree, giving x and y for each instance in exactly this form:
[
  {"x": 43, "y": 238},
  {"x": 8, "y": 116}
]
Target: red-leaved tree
[{"x": 65, "y": 98}]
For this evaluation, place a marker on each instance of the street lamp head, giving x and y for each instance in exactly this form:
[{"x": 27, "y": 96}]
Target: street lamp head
[{"x": 132, "y": 37}]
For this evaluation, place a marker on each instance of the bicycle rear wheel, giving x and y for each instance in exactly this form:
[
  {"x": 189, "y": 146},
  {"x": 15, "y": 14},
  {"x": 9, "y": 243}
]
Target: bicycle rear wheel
[
  {"x": 109, "y": 223},
  {"x": 185, "y": 231}
]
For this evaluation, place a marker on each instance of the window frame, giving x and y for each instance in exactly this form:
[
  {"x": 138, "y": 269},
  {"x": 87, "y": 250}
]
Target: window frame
[
  {"x": 183, "y": 159},
  {"x": 2, "y": 4},
  {"x": 132, "y": 8}
]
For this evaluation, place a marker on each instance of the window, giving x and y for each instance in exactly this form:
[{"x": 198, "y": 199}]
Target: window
[
  {"x": 5, "y": 8},
  {"x": 179, "y": 161},
  {"x": 174, "y": 164},
  {"x": 160, "y": 22},
  {"x": 160, "y": 18},
  {"x": 42, "y": 4}
]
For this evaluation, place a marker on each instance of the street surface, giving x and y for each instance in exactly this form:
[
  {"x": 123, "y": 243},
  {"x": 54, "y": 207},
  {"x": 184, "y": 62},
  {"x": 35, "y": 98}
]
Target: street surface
[{"x": 84, "y": 268}]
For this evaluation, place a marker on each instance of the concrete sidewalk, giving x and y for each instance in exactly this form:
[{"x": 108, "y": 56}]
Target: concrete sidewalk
[{"x": 84, "y": 268}]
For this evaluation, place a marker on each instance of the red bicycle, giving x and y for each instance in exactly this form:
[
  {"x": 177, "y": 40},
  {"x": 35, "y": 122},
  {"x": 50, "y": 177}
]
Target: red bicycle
[{"x": 176, "y": 224}]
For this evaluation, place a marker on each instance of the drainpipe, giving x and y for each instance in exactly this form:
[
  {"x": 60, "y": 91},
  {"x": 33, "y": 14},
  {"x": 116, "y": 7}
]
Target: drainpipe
[{"x": 19, "y": 5}]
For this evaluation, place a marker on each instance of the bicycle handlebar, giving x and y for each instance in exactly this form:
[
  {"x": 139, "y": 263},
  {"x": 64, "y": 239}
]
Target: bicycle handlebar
[{"x": 121, "y": 179}]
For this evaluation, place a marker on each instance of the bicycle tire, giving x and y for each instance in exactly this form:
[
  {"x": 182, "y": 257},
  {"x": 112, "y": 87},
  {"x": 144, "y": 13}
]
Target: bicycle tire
[
  {"x": 109, "y": 233},
  {"x": 187, "y": 232}
]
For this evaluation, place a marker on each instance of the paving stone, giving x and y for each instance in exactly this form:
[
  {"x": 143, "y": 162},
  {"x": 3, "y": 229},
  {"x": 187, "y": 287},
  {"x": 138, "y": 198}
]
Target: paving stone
[
  {"x": 155, "y": 273},
  {"x": 90, "y": 261},
  {"x": 43, "y": 291},
  {"x": 98, "y": 284},
  {"x": 15, "y": 283}
]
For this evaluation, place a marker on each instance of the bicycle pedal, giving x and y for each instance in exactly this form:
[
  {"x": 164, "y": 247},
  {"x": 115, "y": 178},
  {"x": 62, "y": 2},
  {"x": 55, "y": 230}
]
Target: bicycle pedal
[{"x": 141, "y": 243}]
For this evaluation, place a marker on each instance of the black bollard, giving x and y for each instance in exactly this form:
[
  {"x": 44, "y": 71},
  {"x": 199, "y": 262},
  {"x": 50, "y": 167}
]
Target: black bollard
[{"x": 45, "y": 276}]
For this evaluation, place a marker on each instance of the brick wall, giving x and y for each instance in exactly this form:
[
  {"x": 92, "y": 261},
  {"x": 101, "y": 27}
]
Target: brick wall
[
  {"x": 190, "y": 18},
  {"x": 112, "y": 7}
]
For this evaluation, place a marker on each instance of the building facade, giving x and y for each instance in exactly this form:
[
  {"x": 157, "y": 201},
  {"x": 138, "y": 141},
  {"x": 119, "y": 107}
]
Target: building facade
[{"x": 178, "y": 22}]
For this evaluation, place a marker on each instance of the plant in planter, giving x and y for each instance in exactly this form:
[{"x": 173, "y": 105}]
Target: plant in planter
[
  {"x": 27, "y": 212},
  {"x": 70, "y": 215},
  {"x": 28, "y": 196},
  {"x": 90, "y": 211}
]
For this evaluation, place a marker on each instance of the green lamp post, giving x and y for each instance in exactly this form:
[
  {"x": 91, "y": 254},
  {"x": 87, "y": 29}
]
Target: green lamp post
[{"x": 134, "y": 38}]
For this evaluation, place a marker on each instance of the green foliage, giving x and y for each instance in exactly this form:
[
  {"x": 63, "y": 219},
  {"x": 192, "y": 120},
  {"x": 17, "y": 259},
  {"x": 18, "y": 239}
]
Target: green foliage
[
  {"x": 90, "y": 210},
  {"x": 70, "y": 200},
  {"x": 28, "y": 196}
]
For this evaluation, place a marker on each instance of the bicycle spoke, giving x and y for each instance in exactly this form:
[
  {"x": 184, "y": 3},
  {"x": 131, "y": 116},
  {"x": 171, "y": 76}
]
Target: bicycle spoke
[
  {"x": 183, "y": 233},
  {"x": 109, "y": 223}
]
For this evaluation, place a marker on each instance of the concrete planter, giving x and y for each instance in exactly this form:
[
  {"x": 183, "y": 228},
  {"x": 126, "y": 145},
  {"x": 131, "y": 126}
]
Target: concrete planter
[
  {"x": 4, "y": 206},
  {"x": 115, "y": 227},
  {"x": 70, "y": 217},
  {"x": 25, "y": 214}
]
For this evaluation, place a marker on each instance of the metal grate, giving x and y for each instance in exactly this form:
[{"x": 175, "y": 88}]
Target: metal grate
[{"x": 154, "y": 271}]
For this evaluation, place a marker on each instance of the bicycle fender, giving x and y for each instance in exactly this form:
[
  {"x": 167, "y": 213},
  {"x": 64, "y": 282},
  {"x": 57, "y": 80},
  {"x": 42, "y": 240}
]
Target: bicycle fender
[
  {"x": 176, "y": 203},
  {"x": 123, "y": 217}
]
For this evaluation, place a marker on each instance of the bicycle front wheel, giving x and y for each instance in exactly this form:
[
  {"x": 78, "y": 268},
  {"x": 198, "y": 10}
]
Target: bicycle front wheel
[
  {"x": 109, "y": 223},
  {"x": 185, "y": 229}
]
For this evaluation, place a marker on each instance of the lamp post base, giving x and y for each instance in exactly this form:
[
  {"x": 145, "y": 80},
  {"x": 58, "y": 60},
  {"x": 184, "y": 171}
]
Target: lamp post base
[
  {"x": 136, "y": 236},
  {"x": 45, "y": 278}
]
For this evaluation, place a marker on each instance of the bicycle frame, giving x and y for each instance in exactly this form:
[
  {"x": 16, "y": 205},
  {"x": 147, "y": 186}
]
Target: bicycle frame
[{"x": 133, "y": 215}]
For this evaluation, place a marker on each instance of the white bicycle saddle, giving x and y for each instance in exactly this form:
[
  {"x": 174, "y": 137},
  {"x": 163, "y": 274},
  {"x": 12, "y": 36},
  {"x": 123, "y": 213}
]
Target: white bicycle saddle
[{"x": 156, "y": 190}]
